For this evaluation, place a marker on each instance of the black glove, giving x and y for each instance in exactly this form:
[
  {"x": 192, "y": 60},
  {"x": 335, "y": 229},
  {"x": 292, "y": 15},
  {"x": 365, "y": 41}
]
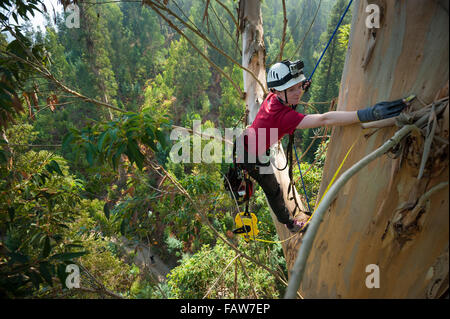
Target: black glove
[
  {"x": 305, "y": 85},
  {"x": 380, "y": 111}
]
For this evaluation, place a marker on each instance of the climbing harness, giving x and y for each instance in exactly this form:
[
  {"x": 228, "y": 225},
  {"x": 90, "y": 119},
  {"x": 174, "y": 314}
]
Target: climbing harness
[{"x": 237, "y": 181}]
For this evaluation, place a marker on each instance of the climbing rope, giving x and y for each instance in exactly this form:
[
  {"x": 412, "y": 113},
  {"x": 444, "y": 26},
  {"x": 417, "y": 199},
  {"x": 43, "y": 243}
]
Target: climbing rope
[
  {"x": 311, "y": 75},
  {"x": 326, "y": 191}
]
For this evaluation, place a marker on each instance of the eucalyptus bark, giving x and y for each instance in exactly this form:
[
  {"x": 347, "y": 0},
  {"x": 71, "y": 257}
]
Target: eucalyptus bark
[{"x": 375, "y": 218}]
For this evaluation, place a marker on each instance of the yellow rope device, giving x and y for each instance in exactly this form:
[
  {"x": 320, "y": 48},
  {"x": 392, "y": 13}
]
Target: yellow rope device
[{"x": 247, "y": 226}]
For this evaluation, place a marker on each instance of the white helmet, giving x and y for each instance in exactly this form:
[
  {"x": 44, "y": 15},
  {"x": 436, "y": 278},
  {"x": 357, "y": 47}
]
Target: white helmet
[{"x": 284, "y": 74}]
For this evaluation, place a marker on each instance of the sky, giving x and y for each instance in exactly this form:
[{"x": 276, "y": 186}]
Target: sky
[
  {"x": 38, "y": 20},
  {"x": 52, "y": 6}
]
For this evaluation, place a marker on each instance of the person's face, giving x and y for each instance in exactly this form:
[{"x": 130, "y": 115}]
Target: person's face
[{"x": 293, "y": 94}]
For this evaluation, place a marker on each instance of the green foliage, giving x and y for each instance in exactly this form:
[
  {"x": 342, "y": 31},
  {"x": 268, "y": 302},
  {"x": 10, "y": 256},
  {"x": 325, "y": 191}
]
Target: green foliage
[
  {"x": 14, "y": 72},
  {"x": 159, "y": 97},
  {"x": 174, "y": 245},
  {"x": 19, "y": 8},
  {"x": 188, "y": 73},
  {"x": 54, "y": 207},
  {"x": 196, "y": 275},
  {"x": 38, "y": 202},
  {"x": 231, "y": 108},
  {"x": 116, "y": 274},
  {"x": 105, "y": 143}
]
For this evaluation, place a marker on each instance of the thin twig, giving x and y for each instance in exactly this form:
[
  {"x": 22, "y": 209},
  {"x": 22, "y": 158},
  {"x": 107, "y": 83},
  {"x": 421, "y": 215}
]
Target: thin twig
[
  {"x": 283, "y": 37},
  {"x": 154, "y": 6},
  {"x": 236, "y": 24},
  {"x": 220, "y": 276},
  {"x": 255, "y": 295},
  {"x": 173, "y": 26},
  {"x": 307, "y": 32}
]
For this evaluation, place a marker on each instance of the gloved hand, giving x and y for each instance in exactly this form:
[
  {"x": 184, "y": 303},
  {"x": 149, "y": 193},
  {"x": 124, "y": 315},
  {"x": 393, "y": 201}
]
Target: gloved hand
[
  {"x": 305, "y": 85},
  {"x": 382, "y": 110}
]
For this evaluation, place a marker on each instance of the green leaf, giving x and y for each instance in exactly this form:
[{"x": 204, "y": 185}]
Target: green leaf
[
  {"x": 162, "y": 138},
  {"x": 134, "y": 154},
  {"x": 35, "y": 278},
  {"x": 11, "y": 213},
  {"x": 47, "y": 247},
  {"x": 18, "y": 257},
  {"x": 68, "y": 256},
  {"x": 116, "y": 156},
  {"x": 61, "y": 273},
  {"x": 35, "y": 236},
  {"x": 150, "y": 140},
  {"x": 106, "y": 211},
  {"x": 45, "y": 272},
  {"x": 66, "y": 141},
  {"x": 74, "y": 246}
]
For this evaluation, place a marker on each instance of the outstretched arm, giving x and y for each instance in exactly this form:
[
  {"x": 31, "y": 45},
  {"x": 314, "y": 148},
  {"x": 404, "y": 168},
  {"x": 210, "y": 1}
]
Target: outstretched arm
[
  {"x": 333, "y": 118},
  {"x": 379, "y": 111}
]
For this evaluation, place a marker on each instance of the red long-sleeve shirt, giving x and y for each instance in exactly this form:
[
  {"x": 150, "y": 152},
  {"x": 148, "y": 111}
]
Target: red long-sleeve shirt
[{"x": 273, "y": 121}]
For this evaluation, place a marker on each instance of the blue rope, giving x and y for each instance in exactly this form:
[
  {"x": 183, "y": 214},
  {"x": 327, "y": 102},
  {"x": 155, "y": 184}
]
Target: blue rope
[
  {"x": 332, "y": 36},
  {"x": 301, "y": 175},
  {"x": 317, "y": 64}
]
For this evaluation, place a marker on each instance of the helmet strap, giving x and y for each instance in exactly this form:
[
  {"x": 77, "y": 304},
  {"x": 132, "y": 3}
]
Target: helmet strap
[{"x": 285, "y": 97}]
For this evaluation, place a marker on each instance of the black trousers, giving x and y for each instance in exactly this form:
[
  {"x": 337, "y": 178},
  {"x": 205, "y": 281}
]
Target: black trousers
[{"x": 272, "y": 189}]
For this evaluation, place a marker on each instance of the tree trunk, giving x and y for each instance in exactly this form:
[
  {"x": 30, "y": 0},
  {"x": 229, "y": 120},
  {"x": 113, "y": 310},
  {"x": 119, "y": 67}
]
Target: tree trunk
[{"x": 375, "y": 219}]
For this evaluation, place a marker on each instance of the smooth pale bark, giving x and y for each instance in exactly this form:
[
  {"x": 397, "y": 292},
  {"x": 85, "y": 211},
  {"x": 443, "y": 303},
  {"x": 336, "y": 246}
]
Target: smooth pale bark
[{"x": 374, "y": 218}]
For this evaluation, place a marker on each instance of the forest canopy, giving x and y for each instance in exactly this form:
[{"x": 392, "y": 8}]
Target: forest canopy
[{"x": 86, "y": 114}]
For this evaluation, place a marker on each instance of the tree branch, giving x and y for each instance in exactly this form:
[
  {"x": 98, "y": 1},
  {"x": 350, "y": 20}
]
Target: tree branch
[
  {"x": 307, "y": 32},
  {"x": 154, "y": 5},
  {"x": 283, "y": 38},
  {"x": 307, "y": 242},
  {"x": 220, "y": 276},
  {"x": 47, "y": 74},
  {"x": 173, "y": 26}
]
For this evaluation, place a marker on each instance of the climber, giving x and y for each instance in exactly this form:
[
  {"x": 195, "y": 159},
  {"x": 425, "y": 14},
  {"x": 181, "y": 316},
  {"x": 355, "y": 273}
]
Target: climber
[{"x": 287, "y": 85}]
